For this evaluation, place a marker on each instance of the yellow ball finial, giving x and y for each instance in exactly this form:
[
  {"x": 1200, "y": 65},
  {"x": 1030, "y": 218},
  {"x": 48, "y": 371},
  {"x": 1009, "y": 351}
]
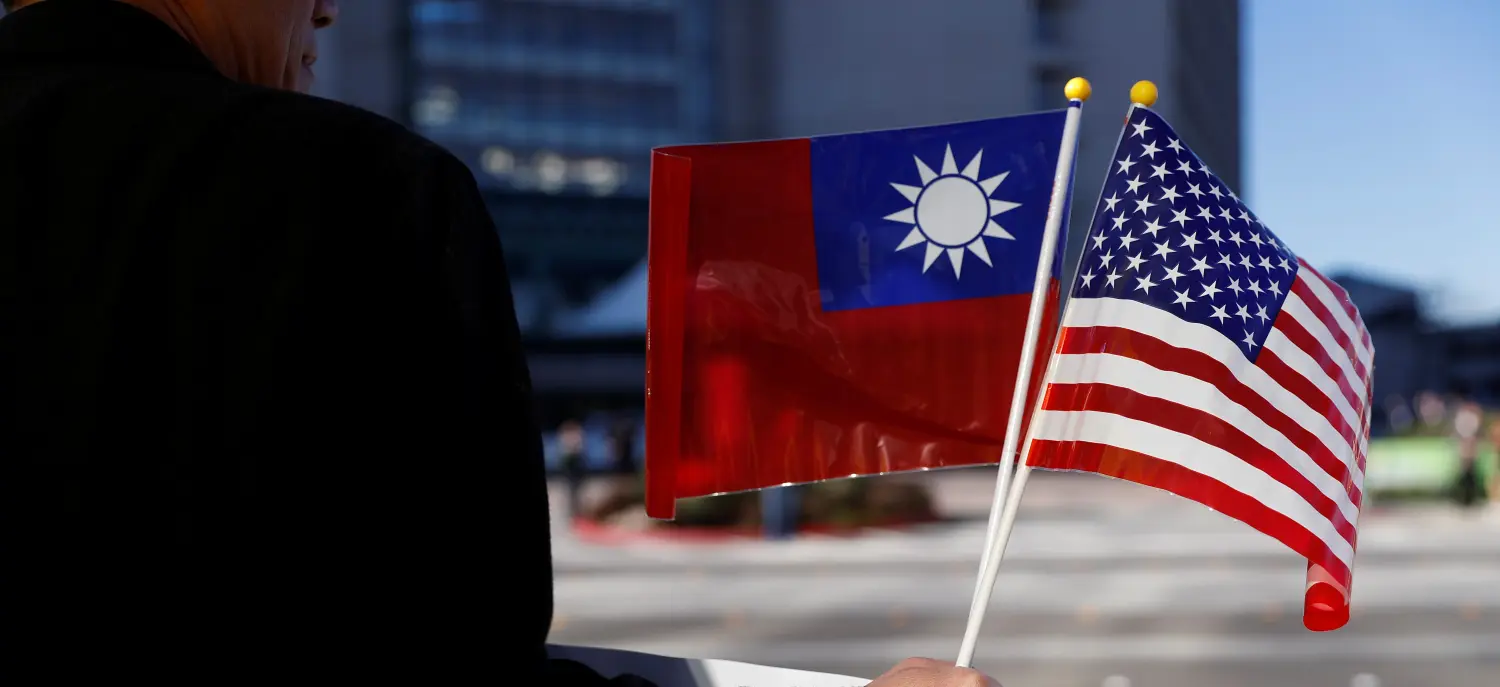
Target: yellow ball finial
[
  {"x": 1143, "y": 93},
  {"x": 1078, "y": 88}
]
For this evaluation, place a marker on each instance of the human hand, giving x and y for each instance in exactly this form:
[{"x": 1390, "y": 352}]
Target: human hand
[{"x": 925, "y": 672}]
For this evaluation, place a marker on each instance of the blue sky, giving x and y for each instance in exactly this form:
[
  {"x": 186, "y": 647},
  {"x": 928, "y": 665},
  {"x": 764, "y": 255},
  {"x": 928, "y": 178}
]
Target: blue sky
[{"x": 1372, "y": 139}]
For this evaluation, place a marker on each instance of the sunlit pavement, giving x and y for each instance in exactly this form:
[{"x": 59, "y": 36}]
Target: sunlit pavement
[{"x": 1104, "y": 584}]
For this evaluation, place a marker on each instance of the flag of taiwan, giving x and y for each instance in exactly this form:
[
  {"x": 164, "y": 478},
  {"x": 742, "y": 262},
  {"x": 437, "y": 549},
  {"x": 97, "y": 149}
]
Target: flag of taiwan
[{"x": 841, "y": 306}]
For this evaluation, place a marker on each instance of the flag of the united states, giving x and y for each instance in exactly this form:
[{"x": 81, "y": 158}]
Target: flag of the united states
[{"x": 1199, "y": 355}]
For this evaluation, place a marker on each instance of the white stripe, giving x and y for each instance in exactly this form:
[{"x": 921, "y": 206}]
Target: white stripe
[
  {"x": 1204, "y": 459},
  {"x": 1303, "y": 364},
  {"x": 1174, "y": 331},
  {"x": 1314, "y": 325},
  {"x": 1133, "y": 374},
  {"x": 1335, "y": 305}
]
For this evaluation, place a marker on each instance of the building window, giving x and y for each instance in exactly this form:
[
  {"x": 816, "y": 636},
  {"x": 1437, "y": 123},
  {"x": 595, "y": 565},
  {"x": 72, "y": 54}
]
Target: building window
[
  {"x": 1048, "y": 20},
  {"x": 1047, "y": 88},
  {"x": 562, "y": 96}
]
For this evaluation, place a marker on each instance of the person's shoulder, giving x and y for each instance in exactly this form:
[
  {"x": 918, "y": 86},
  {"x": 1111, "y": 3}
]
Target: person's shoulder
[{"x": 324, "y": 131}]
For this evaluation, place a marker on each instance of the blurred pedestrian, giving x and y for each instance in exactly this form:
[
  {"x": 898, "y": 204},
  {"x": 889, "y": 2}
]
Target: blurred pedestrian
[
  {"x": 1468, "y": 421},
  {"x": 574, "y": 464},
  {"x": 1493, "y": 492},
  {"x": 622, "y": 447}
]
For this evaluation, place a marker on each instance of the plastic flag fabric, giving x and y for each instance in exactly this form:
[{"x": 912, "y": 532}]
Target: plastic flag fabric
[
  {"x": 1199, "y": 355},
  {"x": 840, "y": 306}
]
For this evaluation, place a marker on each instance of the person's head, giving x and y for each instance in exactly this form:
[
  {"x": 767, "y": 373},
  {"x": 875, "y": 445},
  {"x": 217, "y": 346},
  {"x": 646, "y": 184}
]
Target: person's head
[{"x": 269, "y": 43}]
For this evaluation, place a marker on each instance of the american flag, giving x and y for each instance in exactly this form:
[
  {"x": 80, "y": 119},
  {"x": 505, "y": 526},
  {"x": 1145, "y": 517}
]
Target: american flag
[{"x": 1199, "y": 355}]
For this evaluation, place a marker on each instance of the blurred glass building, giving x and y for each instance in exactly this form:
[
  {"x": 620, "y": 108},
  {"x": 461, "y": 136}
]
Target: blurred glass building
[
  {"x": 562, "y": 95},
  {"x": 556, "y": 104}
]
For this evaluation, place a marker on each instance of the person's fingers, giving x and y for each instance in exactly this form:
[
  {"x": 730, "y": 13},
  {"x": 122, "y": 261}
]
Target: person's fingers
[
  {"x": 922, "y": 663},
  {"x": 968, "y": 677},
  {"x": 926, "y": 672}
]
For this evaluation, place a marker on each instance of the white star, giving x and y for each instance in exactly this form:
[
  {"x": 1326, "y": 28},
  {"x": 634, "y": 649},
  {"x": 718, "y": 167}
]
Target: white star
[
  {"x": 1180, "y": 218},
  {"x": 1219, "y": 314},
  {"x": 1234, "y": 236},
  {"x": 1260, "y": 312},
  {"x": 1135, "y": 262},
  {"x": 1224, "y": 260},
  {"x": 1162, "y": 250},
  {"x": 1141, "y": 128},
  {"x": 1144, "y": 284},
  {"x": 1286, "y": 266},
  {"x": 1213, "y": 189},
  {"x": 1087, "y": 279},
  {"x": 955, "y": 223},
  {"x": 1110, "y": 202},
  {"x": 1098, "y": 240},
  {"x": 1104, "y": 259},
  {"x": 1185, "y": 167},
  {"x": 1128, "y": 239},
  {"x": 1244, "y": 216},
  {"x": 1159, "y": 172},
  {"x": 1210, "y": 289},
  {"x": 1119, "y": 221},
  {"x": 1204, "y": 168},
  {"x": 1245, "y": 261},
  {"x": 1205, "y": 213},
  {"x": 1242, "y": 313},
  {"x": 1143, "y": 204},
  {"x": 1255, "y": 287},
  {"x": 1182, "y": 299},
  {"x": 1111, "y": 278},
  {"x": 1276, "y": 289},
  {"x": 1193, "y": 189},
  {"x": 1150, "y": 150},
  {"x": 1175, "y": 146},
  {"x": 1170, "y": 194},
  {"x": 1249, "y": 340},
  {"x": 1201, "y": 266},
  {"x": 1265, "y": 262},
  {"x": 1135, "y": 184},
  {"x": 1125, "y": 165},
  {"x": 1191, "y": 242},
  {"x": 1226, "y": 214},
  {"x": 1234, "y": 285},
  {"x": 1172, "y": 274},
  {"x": 1213, "y": 235},
  {"x": 1255, "y": 239}
]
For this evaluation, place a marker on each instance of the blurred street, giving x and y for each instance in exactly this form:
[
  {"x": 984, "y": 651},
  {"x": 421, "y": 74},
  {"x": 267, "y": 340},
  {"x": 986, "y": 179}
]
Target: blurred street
[{"x": 1104, "y": 584}]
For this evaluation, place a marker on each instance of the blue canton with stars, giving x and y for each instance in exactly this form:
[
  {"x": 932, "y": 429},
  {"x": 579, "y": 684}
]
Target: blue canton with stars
[{"x": 1168, "y": 233}]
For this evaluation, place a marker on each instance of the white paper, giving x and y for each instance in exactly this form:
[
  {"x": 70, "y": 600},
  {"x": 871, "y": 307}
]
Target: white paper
[{"x": 669, "y": 671}]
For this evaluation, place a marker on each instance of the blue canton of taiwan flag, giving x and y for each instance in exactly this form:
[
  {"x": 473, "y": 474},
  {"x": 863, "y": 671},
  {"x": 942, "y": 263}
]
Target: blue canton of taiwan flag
[{"x": 937, "y": 213}]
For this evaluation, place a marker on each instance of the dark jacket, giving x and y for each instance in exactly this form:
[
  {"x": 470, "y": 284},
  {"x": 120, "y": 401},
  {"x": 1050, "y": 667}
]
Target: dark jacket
[{"x": 265, "y": 409}]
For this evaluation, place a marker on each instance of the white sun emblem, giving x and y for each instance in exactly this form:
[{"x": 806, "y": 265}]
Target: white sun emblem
[{"x": 952, "y": 212}]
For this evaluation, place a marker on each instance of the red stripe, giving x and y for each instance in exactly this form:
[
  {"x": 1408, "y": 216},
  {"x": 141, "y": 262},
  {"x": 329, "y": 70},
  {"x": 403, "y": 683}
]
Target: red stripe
[
  {"x": 1345, "y": 303},
  {"x": 1167, "y": 476},
  {"x": 1302, "y": 388},
  {"x": 1199, "y": 365},
  {"x": 1331, "y": 323},
  {"x": 1202, "y": 426},
  {"x": 1303, "y": 339}
]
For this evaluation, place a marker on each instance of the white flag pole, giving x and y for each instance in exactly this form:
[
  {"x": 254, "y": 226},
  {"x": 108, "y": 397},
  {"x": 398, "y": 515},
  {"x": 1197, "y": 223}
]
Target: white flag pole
[
  {"x": 1077, "y": 90},
  {"x": 1143, "y": 93}
]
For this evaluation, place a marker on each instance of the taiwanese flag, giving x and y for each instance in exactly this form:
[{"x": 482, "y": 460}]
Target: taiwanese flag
[{"x": 843, "y": 305}]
